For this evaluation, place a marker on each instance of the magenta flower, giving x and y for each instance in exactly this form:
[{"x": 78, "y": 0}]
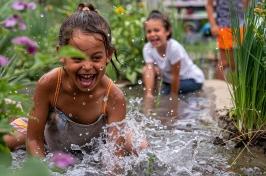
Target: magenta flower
[
  {"x": 3, "y": 61},
  {"x": 31, "y": 5},
  {"x": 27, "y": 42},
  {"x": 63, "y": 160},
  {"x": 14, "y": 20},
  {"x": 20, "y": 5}
]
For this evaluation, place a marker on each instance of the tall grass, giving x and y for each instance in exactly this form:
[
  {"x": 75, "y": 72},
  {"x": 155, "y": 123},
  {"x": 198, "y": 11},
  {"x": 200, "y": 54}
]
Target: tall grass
[{"x": 249, "y": 78}]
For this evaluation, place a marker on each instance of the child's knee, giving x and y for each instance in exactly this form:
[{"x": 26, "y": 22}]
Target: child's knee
[{"x": 14, "y": 140}]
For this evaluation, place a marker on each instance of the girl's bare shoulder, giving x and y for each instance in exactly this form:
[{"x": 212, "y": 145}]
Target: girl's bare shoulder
[
  {"x": 116, "y": 95},
  {"x": 49, "y": 80}
]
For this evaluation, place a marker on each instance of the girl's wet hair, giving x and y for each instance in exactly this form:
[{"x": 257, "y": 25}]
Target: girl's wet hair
[
  {"x": 157, "y": 15},
  {"x": 88, "y": 20}
]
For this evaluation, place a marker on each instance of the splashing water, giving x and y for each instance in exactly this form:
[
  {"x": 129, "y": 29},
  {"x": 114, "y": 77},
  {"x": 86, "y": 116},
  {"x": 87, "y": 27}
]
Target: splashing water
[{"x": 178, "y": 145}]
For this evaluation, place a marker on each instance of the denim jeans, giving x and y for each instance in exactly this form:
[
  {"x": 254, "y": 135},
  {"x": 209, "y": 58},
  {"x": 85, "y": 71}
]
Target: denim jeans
[{"x": 186, "y": 86}]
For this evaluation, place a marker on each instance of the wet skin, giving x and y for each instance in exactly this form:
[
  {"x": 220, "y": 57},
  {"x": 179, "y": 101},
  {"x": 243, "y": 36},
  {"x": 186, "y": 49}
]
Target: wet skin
[{"x": 82, "y": 91}]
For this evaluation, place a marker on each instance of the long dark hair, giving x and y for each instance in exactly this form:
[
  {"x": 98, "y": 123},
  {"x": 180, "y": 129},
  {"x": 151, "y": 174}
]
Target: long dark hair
[{"x": 88, "y": 20}]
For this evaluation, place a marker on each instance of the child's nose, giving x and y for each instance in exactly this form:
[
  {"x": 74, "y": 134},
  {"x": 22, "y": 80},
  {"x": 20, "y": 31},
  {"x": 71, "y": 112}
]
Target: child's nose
[{"x": 87, "y": 65}]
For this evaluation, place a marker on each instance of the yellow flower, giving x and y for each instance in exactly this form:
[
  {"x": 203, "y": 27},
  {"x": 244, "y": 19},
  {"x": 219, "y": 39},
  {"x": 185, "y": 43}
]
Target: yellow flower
[
  {"x": 141, "y": 4},
  {"x": 119, "y": 10},
  {"x": 258, "y": 10},
  {"x": 49, "y": 7}
]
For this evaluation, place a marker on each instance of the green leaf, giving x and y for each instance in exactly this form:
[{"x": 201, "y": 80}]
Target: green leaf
[
  {"x": 33, "y": 167},
  {"x": 5, "y": 156},
  {"x": 69, "y": 51}
]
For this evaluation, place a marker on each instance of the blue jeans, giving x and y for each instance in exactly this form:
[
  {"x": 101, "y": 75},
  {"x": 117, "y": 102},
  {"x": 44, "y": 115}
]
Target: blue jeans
[{"x": 186, "y": 86}]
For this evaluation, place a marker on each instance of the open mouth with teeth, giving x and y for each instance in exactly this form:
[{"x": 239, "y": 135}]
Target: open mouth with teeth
[
  {"x": 155, "y": 41},
  {"x": 86, "y": 80}
]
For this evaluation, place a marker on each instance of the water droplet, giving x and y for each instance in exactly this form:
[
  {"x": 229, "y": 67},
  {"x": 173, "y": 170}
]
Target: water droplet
[
  {"x": 70, "y": 115},
  {"x": 129, "y": 87},
  {"x": 139, "y": 82},
  {"x": 83, "y": 103},
  {"x": 90, "y": 96},
  {"x": 172, "y": 110},
  {"x": 41, "y": 15},
  {"x": 105, "y": 98},
  {"x": 164, "y": 55},
  {"x": 87, "y": 133},
  {"x": 88, "y": 90},
  {"x": 74, "y": 98},
  {"x": 80, "y": 134},
  {"x": 170, "y": 98}
]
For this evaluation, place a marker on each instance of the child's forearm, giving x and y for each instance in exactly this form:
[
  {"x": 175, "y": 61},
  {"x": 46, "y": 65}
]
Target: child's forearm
[
  {"x": 210, "y": 12},
  {"x": 175, "y": 71},
  {"x": 35, "y": 148},
  {"x": 148, "y": 78},
  {"x": 246, "y": 3},
  {"x": 174, "y": 87}
]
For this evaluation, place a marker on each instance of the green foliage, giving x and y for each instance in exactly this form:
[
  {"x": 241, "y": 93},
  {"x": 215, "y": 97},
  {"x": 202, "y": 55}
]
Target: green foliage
[
  {"x": 127, "y": 29},
  {"x": 29, "y": 66},
  {"x": 249, "y": 80},
  {"x": 31, "y": 167},
  {"x": 5, "y": 156},
  {"x": 71, "y": 52}
]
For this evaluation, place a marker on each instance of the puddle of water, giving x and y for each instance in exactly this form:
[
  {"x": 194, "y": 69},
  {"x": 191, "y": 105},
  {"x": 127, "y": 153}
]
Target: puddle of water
[{"x": 179, "y": 144}]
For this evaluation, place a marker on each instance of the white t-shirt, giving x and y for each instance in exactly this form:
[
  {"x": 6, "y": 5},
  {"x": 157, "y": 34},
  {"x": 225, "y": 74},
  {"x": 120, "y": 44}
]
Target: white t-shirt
[{"x": 174, "y": 52}]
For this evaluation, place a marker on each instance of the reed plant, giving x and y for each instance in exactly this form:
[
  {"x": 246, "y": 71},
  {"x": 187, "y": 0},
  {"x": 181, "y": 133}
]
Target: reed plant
[{"x": 248, "y": 82}]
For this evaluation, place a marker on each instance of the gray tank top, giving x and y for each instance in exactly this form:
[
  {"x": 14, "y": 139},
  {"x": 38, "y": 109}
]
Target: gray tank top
[{"x": 61, "y": 133}]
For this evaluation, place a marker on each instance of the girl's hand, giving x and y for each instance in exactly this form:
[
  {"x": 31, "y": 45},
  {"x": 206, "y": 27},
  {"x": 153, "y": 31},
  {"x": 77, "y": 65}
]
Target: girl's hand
[{"x": 215, "y": 30}]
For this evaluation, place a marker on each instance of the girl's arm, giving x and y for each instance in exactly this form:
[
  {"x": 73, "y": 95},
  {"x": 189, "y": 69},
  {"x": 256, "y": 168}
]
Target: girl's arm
[
  {"x": 116, "y": 112},
  {"x": 149, "y": 79},
  {"x": 120, "y": 133},
  {"x": 37, "y": 119},
  {"x": 246, "y": 3},
  {"x": 210, "y": 13},
  {"x": 175, "y": 69}
]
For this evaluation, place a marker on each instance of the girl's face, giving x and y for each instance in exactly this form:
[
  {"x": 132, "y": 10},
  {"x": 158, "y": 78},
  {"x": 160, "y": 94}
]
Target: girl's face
[
  {"x": 156, "y": 33},
  {"x": 86, "y": 73}
]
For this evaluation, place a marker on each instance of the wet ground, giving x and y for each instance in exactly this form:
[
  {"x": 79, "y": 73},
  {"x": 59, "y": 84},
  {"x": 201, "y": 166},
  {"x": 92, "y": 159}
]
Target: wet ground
[
  {"x": 185, "y": 140},
  {"x": 181, "y": 135}
]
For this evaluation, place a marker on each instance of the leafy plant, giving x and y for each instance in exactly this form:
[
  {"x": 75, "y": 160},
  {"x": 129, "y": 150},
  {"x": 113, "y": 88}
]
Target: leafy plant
[
  {"x": 249, "y": 79},
  {"x": 127, "y": 28}
]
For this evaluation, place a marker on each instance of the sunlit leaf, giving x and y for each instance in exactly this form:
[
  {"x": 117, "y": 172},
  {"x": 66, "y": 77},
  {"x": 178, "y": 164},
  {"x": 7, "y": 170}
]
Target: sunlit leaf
[
  {"x": 5, "y": 156},
  {"x": 69, "y": 51}
]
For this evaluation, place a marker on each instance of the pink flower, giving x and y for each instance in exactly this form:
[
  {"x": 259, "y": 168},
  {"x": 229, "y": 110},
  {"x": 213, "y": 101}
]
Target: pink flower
[
  {"x": 27, "y": 42},
  {"x": 3, "y": 61},
  {"x": 20, "y": 5},
  {"x": 31, "y": 5},
  {"x": 13, "y": 21},
  {"x": 63, "y": 160}
]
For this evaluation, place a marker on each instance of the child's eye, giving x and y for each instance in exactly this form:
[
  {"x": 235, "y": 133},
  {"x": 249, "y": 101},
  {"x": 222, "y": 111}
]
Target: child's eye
[
  {"x": 96, "y": 58},
  {"x": 77, "y": 59}
]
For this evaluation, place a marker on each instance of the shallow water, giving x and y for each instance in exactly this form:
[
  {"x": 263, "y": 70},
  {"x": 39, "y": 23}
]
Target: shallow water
[{"x": 181, "y": 143}]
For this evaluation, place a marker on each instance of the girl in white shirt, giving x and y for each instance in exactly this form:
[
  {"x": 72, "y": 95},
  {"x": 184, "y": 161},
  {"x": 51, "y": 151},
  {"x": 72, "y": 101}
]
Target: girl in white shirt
[{"x": 166, "y": 57}]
